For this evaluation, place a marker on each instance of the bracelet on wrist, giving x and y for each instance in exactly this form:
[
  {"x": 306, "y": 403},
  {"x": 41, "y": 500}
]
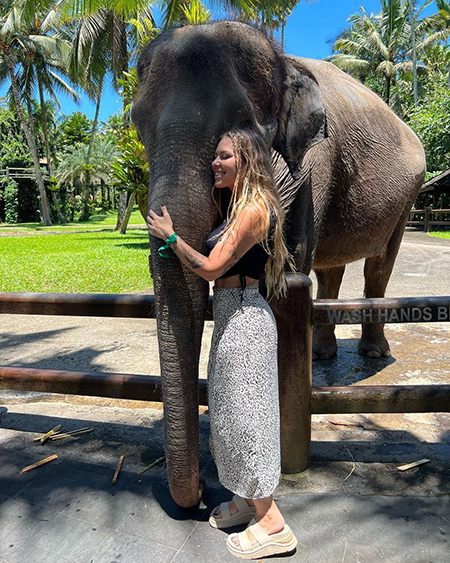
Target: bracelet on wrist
[{"x": 165, "y": 250}]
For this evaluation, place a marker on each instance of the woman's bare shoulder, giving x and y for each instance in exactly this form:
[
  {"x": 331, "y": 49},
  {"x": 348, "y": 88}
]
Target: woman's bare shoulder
[{"x": 251, "y": 220}]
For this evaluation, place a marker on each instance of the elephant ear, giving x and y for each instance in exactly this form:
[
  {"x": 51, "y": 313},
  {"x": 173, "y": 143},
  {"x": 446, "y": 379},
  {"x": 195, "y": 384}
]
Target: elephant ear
[{"x": 302, "y": 122}]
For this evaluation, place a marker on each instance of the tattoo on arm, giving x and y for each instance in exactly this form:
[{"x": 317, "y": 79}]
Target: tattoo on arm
[
  {"x": 193, "y": 258},
  {"x": 174, "y": 244},
  {"x": 235, "y": 256}
]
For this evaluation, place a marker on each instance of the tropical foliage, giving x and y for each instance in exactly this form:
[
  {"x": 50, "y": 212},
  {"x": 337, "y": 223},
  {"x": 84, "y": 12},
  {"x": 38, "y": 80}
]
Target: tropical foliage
[
  {"x": 8, "y": 199},
  {"x": 380, "y": 45},
  {"x": 431, "y": 121},
  {"x": 377, "y": 49},
  {"x": 75, "y": 47},
  {"x": 48, "y": 47}
]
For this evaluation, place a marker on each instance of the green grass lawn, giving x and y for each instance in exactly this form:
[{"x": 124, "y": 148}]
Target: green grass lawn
[
  {"x": 103, "y": 262},
  {"x": 105, "y": 219},
  {"x": 440, "y": 234}
]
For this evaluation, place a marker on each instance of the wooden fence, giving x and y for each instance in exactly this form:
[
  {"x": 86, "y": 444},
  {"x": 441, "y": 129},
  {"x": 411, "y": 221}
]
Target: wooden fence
[
  {"x": 295, "y": 316},
  {"x": 426, "y": 219},
  {"x": 22, "y": 173}
]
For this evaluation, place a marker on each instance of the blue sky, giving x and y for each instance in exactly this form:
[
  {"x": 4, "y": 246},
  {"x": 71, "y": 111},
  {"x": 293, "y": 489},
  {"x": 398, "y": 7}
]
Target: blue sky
[{"x": 308, "y": 29}]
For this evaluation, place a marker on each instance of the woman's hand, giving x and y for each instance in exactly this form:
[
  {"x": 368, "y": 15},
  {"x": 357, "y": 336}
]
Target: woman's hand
[{"x": 160, "y": 226}]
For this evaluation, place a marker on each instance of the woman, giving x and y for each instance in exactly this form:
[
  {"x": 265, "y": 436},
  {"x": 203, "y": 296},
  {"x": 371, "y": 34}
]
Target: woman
[{"x": 242, "y": 370}]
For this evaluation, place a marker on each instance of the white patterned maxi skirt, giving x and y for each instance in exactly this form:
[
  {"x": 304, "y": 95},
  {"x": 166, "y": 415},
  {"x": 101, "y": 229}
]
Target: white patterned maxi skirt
[{"x": 243, "y": 393}]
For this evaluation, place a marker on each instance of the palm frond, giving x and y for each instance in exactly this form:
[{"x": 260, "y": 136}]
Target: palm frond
[
  {"x": 387, "y": 68},
  {"x": 196, "y": 12},
  {"x": 52, "y": 46},
  {"x": 349, "y": 46},
  {"x": 434, "y": 38},
  {"x": 349, "y": 63},
  {"x": 64, "y": 87}
]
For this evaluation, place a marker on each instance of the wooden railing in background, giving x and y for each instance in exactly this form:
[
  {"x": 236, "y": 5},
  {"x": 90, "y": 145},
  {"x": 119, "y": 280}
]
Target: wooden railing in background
[
  {"x": 427, "y": 221},
  {"x": 22, "y": 173}
]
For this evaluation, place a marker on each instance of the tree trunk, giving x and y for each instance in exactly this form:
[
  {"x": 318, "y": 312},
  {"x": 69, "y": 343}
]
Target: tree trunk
[
  {"x": 126, "y": 101},
  {"x": 414, "y": 54},
  {"x": 45, "y": 208},
  {"x": 131, "y": 202},
  {"x": 62, "y": 218},
  {"x": 388, "y": 89},
  {"x": 122, "y": 209},
  {"x": 87, "y": 179},
  {"x": 283, "y": 24},
  {"x": 33, "y": 133},
  {"x": 102, "y": 191}
]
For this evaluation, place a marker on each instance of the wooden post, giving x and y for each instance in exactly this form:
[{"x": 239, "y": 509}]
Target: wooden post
[
  {"x": 427, "y": 219},
  {"x": 293, "y": 316}
]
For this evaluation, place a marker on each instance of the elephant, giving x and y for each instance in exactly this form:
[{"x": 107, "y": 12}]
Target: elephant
[{"x": 348, "y": 171}]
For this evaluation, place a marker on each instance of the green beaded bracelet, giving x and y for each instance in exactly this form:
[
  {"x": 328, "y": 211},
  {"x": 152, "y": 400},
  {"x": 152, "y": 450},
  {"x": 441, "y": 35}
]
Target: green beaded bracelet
[{"x": 164, "y": 251}]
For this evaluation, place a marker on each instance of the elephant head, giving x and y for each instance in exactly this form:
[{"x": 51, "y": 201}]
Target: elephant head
[{"x": 195, "y": 83}]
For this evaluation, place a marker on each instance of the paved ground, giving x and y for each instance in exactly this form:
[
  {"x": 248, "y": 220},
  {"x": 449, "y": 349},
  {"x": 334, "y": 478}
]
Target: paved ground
[{"x": 352, "y": 505}]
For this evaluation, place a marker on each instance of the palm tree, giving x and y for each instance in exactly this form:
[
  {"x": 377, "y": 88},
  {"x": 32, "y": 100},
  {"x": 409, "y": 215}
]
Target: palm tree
[
  {"x": 443, "y": 25},
  {"x": 89, "y": 64},
  {"x": 376, "y": 43},
  {"x": 102, "y": 38},
  {"x": 131, "y": 173},
  {"x": 16, "y": 18},
  {"x": 381, "y": 44},
  {"x": 437, "y": 59},
  {"x": 43, "y": 71},
  {"x": 72, "y": 169}
]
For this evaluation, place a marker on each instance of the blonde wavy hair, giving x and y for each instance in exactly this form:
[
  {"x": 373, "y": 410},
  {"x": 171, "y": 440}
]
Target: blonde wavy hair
[{"x": 255, "y": 186}]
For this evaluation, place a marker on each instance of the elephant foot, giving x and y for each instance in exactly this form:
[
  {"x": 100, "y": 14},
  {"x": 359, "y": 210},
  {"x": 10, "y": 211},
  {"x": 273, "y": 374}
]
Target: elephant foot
[
  {"x": 324, "y": 348},
  {"x": 374, "y": 348}
]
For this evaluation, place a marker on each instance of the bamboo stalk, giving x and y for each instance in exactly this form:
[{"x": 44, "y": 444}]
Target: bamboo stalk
[
  {"x": 72, "y": 434},
  {"x": 118, "y": 468},
  {"x": 413, "y": 464},
  {"x": 341, "y": 423},
  {"x": 144, "y": 469},
  {"x": 45, "y": 437},
  {"x": 38, "y": 463}
]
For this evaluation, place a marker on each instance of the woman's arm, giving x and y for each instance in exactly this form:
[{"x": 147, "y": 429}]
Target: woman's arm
[{"x": 224, "y": 255}]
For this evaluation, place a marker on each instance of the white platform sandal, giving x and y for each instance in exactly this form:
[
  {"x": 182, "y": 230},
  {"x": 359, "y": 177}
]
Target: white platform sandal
[
  {"x": 245, "y": 513},
  {"x": 274, "y": 544}
]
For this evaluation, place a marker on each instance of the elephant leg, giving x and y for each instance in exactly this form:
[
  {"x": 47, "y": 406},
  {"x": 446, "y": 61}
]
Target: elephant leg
[
  {"x": 324, "y": 341},
  {"x": 377, "y": 271}
]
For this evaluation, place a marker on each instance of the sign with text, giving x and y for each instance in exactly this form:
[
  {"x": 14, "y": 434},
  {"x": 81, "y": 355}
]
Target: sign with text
[{"x": 405, "y": 310}]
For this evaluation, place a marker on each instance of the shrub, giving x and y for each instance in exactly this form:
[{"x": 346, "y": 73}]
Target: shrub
[{"x": 11, "y": 205}]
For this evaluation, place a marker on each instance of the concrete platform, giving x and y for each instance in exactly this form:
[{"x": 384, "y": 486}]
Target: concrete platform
[{"x": 352, "y": 505}]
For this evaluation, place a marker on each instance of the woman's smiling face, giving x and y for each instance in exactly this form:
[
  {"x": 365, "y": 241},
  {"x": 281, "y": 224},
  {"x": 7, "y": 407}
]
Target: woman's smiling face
[{"x": 224, "y": 165}]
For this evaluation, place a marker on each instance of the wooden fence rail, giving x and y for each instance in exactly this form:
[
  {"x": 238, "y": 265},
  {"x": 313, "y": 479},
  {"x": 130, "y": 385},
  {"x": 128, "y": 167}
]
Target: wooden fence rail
[
  {"x": 295, "y": 316},
  {"x": 19, "y": 173},
  {"x": 428, "y": 220}
]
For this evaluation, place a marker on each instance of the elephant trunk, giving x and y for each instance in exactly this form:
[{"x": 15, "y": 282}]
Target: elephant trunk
[{"x": 181, "y": 300}]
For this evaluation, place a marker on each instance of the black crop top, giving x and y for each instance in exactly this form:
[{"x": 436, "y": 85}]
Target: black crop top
[{"x": 254, "y": 261}]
